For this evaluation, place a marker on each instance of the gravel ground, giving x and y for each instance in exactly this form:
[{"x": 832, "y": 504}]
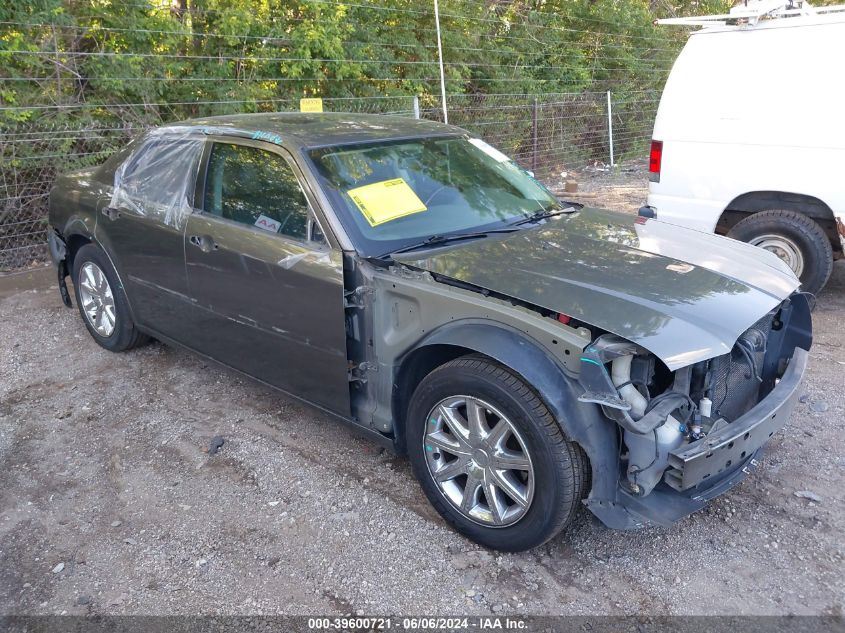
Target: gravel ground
[
  {"x": 109, "y": 504},
  {"x": 623, "y": 188}
]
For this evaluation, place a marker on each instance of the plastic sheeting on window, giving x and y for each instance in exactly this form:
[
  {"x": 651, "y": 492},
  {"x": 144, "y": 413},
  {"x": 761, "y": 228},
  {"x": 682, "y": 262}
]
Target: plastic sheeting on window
[{"x": 159, "y": 178}]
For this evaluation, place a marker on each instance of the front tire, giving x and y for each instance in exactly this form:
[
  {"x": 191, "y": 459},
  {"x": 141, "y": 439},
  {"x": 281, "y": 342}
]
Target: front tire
[
  {"x": 102, "y": 302},
  {"x": 797, "y": 239},
  {"x": 490, "y": 456}
]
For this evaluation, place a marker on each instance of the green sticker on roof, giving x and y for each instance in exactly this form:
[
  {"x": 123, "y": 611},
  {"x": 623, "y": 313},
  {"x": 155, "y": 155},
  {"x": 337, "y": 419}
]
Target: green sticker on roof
[
  {"x": 267, "y": 136},
  {"x": 270, "y": 137}
]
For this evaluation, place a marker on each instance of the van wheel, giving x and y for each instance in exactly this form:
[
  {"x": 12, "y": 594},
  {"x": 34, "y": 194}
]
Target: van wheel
[
  {"x": 796, "y": 239},
  {"x": 490, "y": 457},
  {"x": 102, "y": 302}
]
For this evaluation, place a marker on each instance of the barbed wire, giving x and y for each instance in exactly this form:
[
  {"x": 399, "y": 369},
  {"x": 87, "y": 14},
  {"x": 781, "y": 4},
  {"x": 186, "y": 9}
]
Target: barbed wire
[
  {"x": 473, "y": 18},
  {"x": 399, "y": 11},
  {"x": 251, "y": 59},
  {"x": 268, "y": 38},
  {"x": 579, "y": 17},
  {"x": 550, "y": 132}
]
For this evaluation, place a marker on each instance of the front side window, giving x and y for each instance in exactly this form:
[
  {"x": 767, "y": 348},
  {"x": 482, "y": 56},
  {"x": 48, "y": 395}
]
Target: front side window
[
  {"x": 256, "y": 187},
  {"x": 395, "y": 193}
]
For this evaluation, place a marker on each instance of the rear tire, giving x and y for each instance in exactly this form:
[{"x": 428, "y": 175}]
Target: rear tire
[
  {"x": 533, "y": 475},
  {"x": 102, "y": 302},
  {"x": 797, "y": 239}
]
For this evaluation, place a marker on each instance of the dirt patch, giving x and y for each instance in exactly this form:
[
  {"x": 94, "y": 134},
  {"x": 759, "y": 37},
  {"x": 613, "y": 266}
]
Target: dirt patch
[
  {"x": 109, "y": 504},
  {"x": 621, "y": 188}
]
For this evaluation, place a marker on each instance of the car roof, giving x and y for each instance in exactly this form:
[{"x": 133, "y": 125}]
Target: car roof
[{"x": 298, "y": 129}]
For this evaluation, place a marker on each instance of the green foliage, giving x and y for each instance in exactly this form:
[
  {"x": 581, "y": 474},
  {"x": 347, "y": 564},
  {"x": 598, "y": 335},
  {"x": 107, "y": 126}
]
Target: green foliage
[
  {"x": 79, "y": 77},
  {"x": 162, "y": 60}
]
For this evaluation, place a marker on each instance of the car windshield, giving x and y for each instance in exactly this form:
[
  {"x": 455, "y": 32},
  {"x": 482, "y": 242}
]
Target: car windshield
[{"x": 393, "y": 194}]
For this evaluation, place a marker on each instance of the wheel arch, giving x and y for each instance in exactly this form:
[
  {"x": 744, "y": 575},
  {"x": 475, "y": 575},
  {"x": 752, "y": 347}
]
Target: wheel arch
[
  {"x": 75, "y": 238},
  {"x": 414, "y": 366},
  {"x": 75, "y": 241},
  {"x": 581, "y": 422},
  {"x": 755, "y": 201}
]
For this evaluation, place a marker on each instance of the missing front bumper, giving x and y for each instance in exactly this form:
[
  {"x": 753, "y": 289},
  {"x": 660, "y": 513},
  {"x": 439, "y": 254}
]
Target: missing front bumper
[
  {"x": 58, "y": 253},
  {"x": 693, "y": 464}
]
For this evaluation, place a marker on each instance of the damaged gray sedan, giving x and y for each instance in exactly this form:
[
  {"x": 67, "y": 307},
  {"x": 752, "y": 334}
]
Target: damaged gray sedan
[{"x": 528, "y": 354}]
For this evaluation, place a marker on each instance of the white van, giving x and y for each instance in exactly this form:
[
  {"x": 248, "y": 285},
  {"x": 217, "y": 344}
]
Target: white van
[{"x": 749, "y": 139}]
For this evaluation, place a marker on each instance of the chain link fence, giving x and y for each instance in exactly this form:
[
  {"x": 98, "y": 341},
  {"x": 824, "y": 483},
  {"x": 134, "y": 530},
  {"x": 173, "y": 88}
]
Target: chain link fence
[
  {"x": 33, "y": 153},
  {"x": 547, "y": 133},
  {"x": 558, "y": 132}
]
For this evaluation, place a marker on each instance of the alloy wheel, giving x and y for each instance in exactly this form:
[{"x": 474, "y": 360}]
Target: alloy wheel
[
  {"x": 97, "y": 299},
  {"x": 479, "y": 461}
]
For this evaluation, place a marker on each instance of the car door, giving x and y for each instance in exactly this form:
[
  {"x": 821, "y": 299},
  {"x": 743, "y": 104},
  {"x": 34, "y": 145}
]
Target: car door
[
  {"x": 267, "y": 289},
  {"x": 142, "y": 228}
]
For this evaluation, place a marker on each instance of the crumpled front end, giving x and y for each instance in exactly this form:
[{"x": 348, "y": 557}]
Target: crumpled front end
[{"x": 690, "y": 434}]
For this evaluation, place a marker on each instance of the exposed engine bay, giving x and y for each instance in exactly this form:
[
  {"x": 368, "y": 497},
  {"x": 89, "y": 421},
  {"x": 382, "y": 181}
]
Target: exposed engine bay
[{"x": 663, "y": 413}]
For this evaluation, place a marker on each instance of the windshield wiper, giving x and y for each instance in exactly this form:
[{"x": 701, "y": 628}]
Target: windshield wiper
[
  {"x": 439, "y": 240},
  {"x": 547, "y": 213}
]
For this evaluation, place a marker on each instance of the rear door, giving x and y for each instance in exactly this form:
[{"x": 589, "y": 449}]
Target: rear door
[
  {"x": 142, "y": 228},
  {"x": 267, "y": 288}
]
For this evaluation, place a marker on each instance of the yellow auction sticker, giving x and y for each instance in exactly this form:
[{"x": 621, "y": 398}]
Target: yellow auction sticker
[
  {"x": 387, "y": 200},
  {"x": 311, "y": 105}
]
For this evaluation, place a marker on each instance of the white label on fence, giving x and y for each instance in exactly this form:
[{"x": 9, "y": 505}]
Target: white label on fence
[{"x": 491, "y": 151}]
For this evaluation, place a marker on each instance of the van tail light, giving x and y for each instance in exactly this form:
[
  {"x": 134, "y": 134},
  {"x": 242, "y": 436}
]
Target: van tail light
[{"x": 655, "y": 158}]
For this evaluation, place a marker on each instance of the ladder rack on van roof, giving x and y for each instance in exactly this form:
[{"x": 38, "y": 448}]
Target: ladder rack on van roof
[{"x": 750, "y": 12}]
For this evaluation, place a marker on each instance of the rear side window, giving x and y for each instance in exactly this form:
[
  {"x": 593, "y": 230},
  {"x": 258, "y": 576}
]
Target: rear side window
[
  {"x": 256, "y": 187},
  {"x": 158, "y": 179},
  {"x": 155, "y": 173}
]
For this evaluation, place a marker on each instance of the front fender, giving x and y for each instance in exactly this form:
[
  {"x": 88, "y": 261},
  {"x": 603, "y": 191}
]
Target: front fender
[
  {"x": 581, "y": 422},
  {"x": 79, "y": 225}
]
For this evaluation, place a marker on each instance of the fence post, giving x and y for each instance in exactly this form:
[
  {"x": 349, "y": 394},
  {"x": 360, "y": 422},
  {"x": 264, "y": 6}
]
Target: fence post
[
  {"x": 440, "y": 62},
  {"x": 57, "y": 64},
  {"x": 610, "y": 125},
  {"x": 534, "y": 137},
  {"x": 416, "y": 107}
]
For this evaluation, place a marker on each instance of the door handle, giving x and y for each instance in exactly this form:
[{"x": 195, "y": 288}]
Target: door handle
[
  {"x": 205, "y": 243},
  {"x": 111, "y": 213}
]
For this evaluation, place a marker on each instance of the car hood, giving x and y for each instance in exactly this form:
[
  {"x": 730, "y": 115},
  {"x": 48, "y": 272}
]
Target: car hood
[{"x": 684, "y": 295}]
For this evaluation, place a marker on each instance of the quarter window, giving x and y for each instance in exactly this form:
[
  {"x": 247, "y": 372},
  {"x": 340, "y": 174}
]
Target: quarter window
[{"x": 256, "y": 187}]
